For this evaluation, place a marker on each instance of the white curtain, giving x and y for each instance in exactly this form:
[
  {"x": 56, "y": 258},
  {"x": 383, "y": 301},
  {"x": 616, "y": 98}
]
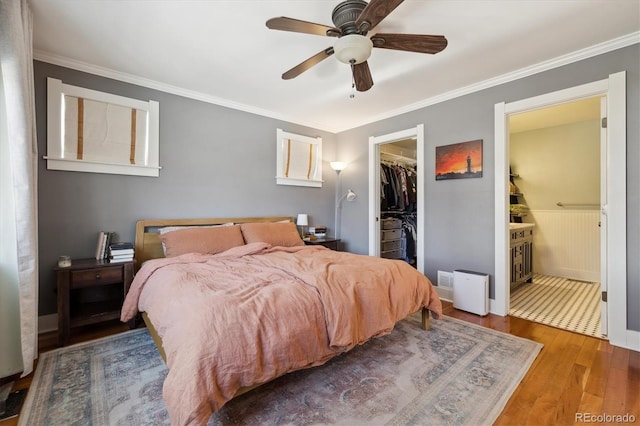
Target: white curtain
[{"x": 19, "y": 138}]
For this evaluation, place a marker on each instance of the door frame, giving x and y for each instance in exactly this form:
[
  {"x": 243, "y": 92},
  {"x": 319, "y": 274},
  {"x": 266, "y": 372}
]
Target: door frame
[
  {"x": 374, "y": 189},
  {"x": 615, "y": 212}
]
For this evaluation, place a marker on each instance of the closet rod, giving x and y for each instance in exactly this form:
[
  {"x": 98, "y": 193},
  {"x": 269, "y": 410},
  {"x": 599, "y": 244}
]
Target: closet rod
[{"x": 397, "y": 157}]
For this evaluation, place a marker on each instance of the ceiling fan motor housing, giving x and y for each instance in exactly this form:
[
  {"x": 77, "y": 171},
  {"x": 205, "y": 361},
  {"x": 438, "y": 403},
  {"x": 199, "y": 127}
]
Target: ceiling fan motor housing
[
  {"x": 352, "y": 47},
  {"x": 345, "y": 15}
]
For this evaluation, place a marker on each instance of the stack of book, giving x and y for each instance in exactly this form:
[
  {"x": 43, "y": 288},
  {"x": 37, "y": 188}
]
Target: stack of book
[
  {"x": 121, "y": 252},
  {"x": 104, "y": 239}
]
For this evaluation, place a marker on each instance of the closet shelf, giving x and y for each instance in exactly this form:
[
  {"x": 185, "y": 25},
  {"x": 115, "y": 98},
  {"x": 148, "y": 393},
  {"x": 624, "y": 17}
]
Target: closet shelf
[{"x": 397, "y": 158}]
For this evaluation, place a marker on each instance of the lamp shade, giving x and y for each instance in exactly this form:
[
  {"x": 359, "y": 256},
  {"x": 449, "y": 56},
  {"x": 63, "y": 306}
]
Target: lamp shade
[
  {"x": 338, "y": 165},
  {"x": 351, "y": 195},
  {"x": 302, "y": 220},
  {"x": 353, "y": 48}
]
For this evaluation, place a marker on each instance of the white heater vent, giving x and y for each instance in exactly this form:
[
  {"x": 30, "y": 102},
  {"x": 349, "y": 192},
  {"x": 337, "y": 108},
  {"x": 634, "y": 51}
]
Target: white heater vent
[{"x": 445, "y": 279}]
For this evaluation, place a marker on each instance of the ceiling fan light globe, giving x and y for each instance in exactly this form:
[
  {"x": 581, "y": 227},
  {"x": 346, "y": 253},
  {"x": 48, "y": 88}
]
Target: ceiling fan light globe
[{"x": 352, "y": 48}]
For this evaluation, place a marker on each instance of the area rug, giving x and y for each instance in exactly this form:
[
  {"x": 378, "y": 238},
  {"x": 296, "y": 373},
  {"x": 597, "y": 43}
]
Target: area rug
[
  {"x": 559, "y": 302},
  {"x": 454, "y": 374}
]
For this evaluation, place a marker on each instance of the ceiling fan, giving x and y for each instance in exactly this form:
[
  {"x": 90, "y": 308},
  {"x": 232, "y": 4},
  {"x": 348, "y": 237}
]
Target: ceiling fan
[{"x": 353, "y": 19}]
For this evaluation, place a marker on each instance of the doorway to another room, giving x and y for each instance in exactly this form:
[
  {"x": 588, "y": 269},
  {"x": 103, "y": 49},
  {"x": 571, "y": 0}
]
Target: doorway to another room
[
  {"x": 613, "y": 214},
  {"x": 554, "y": 194}
]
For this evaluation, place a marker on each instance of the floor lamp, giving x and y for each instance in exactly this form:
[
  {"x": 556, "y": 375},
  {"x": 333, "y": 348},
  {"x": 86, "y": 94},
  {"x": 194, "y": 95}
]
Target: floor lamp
[{"x": 339, "y": 166}]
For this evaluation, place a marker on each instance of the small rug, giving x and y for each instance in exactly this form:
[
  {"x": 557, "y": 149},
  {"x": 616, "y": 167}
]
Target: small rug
[
  {"x": 559, "y": 302},
  {"x": 454, "y": 374}
]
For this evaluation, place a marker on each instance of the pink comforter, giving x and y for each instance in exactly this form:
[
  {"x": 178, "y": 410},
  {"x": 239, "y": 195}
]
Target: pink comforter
[{"x": 255, "y": 312}]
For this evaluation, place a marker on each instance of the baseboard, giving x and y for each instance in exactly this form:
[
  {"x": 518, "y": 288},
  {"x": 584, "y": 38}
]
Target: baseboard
[
  {"x": 47, "y": 323},
  {"x": 632, "y": 341}
]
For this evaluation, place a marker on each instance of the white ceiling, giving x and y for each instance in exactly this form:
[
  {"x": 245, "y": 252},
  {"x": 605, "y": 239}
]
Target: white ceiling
[{"x": 222, "y": 52}]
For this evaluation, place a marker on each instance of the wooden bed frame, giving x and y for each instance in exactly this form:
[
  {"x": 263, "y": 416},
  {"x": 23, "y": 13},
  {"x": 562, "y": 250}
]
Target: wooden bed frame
[{"x": 148, "y": 246}]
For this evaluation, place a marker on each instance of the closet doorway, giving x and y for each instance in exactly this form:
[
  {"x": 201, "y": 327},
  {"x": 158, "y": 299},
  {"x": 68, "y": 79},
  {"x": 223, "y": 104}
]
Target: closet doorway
[{"x": 404, "y": 148}]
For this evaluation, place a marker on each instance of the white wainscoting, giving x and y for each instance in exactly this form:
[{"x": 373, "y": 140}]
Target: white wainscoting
[{"x": 566, "y": 243}]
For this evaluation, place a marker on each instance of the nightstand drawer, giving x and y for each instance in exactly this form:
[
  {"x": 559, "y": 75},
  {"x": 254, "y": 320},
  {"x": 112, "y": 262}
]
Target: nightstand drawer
[{"x": 92, "y": 277}]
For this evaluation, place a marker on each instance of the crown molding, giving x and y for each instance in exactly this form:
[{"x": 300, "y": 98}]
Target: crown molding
[
  {"x": 63, "y": 61},
  {"x": 608, "y": 46},
  {"x": 598, "y": 49}
]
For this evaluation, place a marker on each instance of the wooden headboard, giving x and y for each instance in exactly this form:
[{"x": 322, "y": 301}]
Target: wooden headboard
[{"x": 148, "y": 245}]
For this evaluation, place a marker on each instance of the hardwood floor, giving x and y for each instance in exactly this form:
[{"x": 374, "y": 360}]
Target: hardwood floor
[{"x": 574, "y": 378}]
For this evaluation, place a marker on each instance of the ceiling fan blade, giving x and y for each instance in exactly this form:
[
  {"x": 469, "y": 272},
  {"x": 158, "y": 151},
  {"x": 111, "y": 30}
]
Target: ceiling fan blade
[
  {"x": 305, "y": 65},
  {"x": 295, "y": 25},
  {"x": 362, "y": 76},
  {"x": 375, "y": 12},
  {"x": 410, "y": 42}
]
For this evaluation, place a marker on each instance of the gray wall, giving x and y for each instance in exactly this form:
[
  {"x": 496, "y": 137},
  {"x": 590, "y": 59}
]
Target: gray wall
[
  {"x": 221, "y": 162},
  {"x": 459, "y": 228},
  {"x": 216, "y": 162}
]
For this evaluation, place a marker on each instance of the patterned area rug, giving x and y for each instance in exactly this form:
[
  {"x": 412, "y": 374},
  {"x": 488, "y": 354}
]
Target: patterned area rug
[
  {"x": 559, "y": 302},
  {"x": 454, "y": 374}
]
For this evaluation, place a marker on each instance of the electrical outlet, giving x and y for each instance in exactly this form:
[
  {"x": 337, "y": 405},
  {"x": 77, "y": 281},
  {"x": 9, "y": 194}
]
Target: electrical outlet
[{"x": 445, "y": 279}]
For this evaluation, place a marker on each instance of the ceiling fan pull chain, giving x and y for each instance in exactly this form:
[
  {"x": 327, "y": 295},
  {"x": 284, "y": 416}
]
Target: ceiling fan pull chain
[{"x": 353, "y": 82}]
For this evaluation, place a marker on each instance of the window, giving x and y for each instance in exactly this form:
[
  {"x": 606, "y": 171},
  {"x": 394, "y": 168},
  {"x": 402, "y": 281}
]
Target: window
[
  {"x": 91, "y": 131},
  {"x": 299, "y": 160}
]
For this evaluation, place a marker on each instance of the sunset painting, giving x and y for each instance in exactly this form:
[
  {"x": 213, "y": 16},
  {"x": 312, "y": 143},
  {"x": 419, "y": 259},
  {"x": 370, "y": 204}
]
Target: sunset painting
[{"x": 459, "y": 161}]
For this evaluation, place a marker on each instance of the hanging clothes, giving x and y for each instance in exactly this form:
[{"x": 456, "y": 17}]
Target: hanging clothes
[
  {"x": 398, "y": 187},
  {"x": 398, "y": 199}
]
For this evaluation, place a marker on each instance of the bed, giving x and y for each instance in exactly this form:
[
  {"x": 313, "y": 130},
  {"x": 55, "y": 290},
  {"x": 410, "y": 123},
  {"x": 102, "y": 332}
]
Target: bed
[{"x": 233, "y": 303}]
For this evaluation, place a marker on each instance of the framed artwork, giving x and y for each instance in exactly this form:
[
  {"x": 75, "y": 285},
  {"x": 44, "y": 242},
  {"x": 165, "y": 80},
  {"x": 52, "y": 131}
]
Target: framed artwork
[
  {"x": 299, "y": 159},
  {"x": 459, "y": 161}
]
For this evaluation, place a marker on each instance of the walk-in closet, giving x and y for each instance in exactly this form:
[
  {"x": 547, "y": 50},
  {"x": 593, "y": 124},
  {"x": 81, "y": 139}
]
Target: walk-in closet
[{"x": 398, "y": 201}]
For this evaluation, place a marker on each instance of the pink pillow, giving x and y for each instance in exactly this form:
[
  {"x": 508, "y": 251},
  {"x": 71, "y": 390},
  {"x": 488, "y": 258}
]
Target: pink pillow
[
  {"x": 276, "y": 234},
  {"x": 201, "y": 240}
]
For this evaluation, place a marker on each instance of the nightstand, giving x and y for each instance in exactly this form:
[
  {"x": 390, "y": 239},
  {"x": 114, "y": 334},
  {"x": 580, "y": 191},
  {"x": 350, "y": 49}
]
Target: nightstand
[
  {"x": 330, "y": 243},
  {"x": 90, "y": 291}
]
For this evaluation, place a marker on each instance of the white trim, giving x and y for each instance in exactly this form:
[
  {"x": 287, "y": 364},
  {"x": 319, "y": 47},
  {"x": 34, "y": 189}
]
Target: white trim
[
  {"x": 578, "y": 55},
  {"x": 500, "y": 304},
  {"x": 617, "y": 213},
  {"x": 374, "y": 193},
  {"x": 614, "y": 88},
  {"x": 72, "y": 165},
  {"x": 604, "y": 251}
]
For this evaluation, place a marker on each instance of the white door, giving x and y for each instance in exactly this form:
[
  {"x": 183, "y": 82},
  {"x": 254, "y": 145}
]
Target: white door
[{"x": 603, "y": 215}]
